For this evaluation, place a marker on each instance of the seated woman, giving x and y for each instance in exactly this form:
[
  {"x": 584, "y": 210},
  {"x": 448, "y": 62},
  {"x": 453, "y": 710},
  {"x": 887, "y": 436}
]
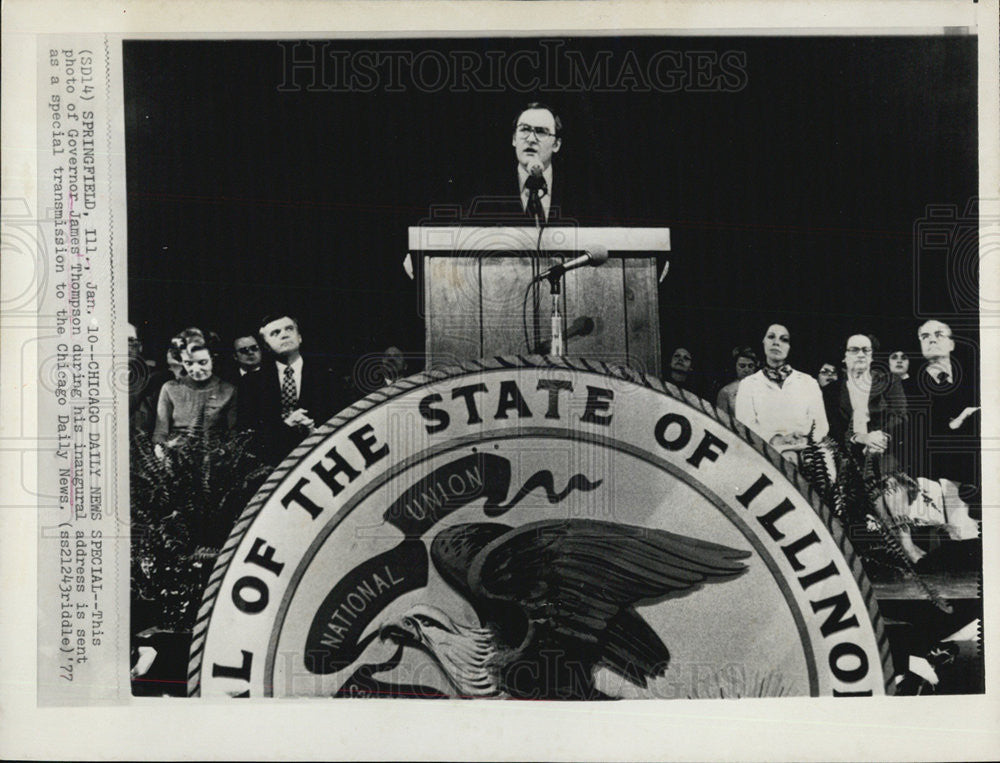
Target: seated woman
[
  {"x": 746, "y": 364},
  {"x": 868, "y": 416},
  {"x": 826, "y": 375},
  {"x": 867, "y": 409},
  {"x": 782, "y": 405},
  {"x": 198, "y": 400}
]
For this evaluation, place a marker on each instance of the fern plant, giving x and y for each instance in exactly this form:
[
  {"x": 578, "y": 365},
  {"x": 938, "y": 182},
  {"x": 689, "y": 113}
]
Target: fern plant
[
  {"x": 183, "y": 505},
  {"x": 853, "y": 491}
]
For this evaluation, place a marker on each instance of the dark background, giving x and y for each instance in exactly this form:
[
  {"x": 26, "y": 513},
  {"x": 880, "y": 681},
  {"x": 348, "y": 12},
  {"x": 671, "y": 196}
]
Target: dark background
[{"x": 797, "y": 199}]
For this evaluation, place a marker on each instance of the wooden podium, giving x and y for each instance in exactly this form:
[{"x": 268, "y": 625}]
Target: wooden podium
[{"x": 476, "y": 281}]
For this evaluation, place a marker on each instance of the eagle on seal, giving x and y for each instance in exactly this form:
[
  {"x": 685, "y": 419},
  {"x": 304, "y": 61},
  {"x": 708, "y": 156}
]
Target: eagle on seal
[{"x": 555, "y": 601}]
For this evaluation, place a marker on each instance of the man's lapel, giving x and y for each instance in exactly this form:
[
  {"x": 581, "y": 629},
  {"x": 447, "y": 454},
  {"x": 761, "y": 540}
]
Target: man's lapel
[
  {"x": 846, "y": 409},
  {"x": 270, "y": 386}
]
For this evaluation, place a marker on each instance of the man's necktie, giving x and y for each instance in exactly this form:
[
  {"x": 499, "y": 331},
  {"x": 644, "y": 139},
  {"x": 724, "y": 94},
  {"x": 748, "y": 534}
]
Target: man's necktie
[
  {"x": 537, "y": 187},
  {"x": 942, "y": 377},
  {"x": 535, "y": 210},
  {"x": 288, "y": 394}
]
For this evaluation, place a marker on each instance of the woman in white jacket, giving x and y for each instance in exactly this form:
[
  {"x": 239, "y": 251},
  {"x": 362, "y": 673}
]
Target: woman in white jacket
[{"x": 782, "y": 405}]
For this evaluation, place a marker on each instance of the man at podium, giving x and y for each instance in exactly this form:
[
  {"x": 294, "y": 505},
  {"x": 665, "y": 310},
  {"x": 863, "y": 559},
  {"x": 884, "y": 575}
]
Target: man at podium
[
  {"x": 536, "y": 140},
  {"x": 479, "y": 266},
  {"x": 538, "y": 190}
]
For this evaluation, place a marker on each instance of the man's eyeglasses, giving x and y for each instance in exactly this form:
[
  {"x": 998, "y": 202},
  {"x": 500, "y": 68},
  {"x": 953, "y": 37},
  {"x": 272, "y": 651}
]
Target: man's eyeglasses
[
  {"x": 860, "y": 350},
  {"x": 525, "y": 131},
  {"x": 249, "y": 350}
]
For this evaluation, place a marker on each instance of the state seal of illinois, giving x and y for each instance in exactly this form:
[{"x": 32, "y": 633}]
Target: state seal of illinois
[{"x": 531, "y": 528}]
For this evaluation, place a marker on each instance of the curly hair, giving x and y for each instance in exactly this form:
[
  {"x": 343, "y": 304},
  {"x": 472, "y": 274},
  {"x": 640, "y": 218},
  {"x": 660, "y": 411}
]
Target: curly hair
[
  {"x": 745, "y": 352},
  {"x": 194, "y": 338}
]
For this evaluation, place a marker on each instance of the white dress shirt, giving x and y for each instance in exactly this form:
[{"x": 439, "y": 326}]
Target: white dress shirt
[
  {"x": 936, "y": 368},
  {"x": 792, "y": 408}
]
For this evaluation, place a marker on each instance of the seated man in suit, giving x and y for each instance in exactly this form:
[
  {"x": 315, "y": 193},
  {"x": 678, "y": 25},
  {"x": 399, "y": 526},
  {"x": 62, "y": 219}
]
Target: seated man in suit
[
  {"x": 288, "y": 397},
  {"x": 946, "y": 416},
  {"x": 942, "y": 456},
  {"x": 953, "y": 431}
]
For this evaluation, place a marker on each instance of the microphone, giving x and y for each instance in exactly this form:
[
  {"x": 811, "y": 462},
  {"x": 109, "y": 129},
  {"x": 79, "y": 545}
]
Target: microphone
[
  {"x": 595, "y": 257},
  {"x": 535, "y": 180},
  {"x": 583, "y": 326},
  {"x": 535, "y": 183}
]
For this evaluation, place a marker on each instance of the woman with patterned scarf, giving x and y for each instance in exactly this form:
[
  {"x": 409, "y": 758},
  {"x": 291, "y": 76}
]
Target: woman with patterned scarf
[{"x": 782, "y": 405}]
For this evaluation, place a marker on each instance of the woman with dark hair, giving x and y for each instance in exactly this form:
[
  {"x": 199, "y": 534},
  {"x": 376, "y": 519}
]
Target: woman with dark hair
[
  {"x": 782, "y": 405},
  {"x": 868, "y": 416},
  {"x": 199, "y": 400},
  {"x": 746, "y": 364},
  {"x": 826, "y": 375},
  {"x": 867, "y": 409}
]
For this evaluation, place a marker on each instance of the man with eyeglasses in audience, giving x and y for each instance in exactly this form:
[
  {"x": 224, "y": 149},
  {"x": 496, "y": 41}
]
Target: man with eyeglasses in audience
[
  {"x": 948, "y": 393},
  {"x": 940, "y": 502}
]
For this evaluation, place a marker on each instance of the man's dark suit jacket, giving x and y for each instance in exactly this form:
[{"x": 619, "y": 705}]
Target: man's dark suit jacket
[
  {"x": 886, "y": 413},
  {"x": 574, "y": 201},
  {"x": 259, "y": 406},
  {"x": 948, "y": 453}
]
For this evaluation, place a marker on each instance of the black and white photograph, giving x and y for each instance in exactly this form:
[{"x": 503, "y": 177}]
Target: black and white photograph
[{"x": 801, "y": 182}]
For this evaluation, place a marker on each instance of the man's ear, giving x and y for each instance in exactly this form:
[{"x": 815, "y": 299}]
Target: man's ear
[{"x": 556, "y": 145}]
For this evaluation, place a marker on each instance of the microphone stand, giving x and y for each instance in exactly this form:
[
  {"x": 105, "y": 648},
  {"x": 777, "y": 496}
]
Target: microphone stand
[
  {"x": 557, "y": 347},
  {"x": 536, "y": 269}
]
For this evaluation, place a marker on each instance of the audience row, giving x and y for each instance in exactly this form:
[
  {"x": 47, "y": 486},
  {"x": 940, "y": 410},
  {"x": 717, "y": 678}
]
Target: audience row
[{"x": 922, "y": 425}]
